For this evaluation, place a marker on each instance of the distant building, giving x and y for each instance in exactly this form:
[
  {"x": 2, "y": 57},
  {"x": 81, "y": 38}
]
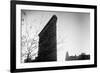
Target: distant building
[
  {"x": 82, "y": 56},
  {"x": 67, "y": 56}
]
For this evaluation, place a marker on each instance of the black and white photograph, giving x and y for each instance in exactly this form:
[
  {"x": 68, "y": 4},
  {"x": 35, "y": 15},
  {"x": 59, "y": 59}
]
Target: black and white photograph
[{"x": 52, "y": 35}]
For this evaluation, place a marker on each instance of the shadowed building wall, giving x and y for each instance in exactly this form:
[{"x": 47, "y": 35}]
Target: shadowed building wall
[{"x": 47, "y": 42}]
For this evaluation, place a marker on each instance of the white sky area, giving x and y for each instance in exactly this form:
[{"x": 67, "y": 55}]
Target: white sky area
[{"x": 73, "y": 30}]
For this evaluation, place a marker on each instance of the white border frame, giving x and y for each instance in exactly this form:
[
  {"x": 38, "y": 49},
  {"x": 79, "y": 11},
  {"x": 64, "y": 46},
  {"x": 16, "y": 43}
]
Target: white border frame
[{"x": 20, "y": 65}]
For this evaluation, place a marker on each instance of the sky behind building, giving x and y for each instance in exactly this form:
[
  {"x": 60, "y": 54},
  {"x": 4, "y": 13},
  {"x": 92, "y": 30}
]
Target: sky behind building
[{"x": 73, "y": 30}]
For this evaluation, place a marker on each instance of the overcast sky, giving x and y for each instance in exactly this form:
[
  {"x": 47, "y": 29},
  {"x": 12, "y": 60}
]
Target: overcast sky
[{"x": 73, "y": 30}]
